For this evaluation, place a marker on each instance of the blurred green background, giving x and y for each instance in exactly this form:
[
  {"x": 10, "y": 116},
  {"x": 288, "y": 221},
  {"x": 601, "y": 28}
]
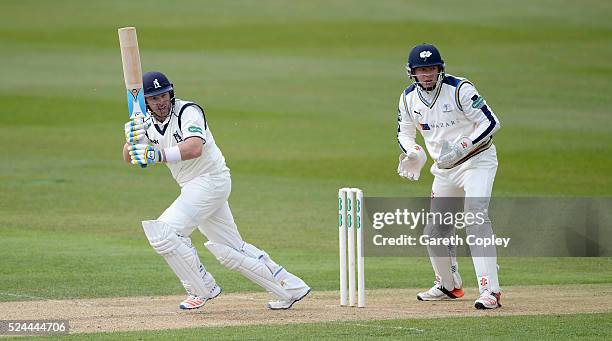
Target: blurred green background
[{"x": 302, "y": 99}]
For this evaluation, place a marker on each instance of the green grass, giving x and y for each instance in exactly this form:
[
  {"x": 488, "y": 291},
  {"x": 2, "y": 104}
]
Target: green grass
[
  {"x": 87, "y": 264},
  {"x": 301, "y": 98},
  {"x": 548, "y": 327}
]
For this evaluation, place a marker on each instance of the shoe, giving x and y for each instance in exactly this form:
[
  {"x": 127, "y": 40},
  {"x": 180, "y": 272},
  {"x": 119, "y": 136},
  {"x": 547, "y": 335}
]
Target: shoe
[
  {"x": 195, "y": 302},
  {"x": 439, "y": 293},
  {"x": 286, "y": 304},
  {"x": 488, "y": 300}
]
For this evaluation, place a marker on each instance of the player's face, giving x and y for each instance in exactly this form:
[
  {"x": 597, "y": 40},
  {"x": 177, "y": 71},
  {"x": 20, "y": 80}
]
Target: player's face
[
  {"x": 427, "y": 76},
  {"x": 160, "y": 105}
]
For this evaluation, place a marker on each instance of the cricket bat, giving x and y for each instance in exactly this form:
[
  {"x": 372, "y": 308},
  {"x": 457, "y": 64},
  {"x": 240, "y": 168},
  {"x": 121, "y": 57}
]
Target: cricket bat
[{"x": 132, "y": 73}]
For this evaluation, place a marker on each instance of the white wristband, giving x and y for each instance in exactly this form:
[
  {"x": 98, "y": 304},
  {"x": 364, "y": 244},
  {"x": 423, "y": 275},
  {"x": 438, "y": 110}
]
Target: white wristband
[{"x": 173, "y": 154}]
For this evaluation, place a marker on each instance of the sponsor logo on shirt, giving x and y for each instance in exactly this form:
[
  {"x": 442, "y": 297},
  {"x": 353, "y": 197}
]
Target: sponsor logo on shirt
[
  {"x": 177, "y": 137},
  {"x": 478, "y": 102},
  {"x": 194, "y": 129},
  {"x": 434, "y": 125}
]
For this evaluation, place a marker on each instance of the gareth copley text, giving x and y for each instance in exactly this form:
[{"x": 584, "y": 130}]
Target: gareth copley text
[{"x": 426, "y": 240}]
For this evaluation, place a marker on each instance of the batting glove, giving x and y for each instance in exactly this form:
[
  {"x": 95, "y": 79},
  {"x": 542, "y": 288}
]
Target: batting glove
[
  {"x": 411, "y": 163},
  {"x": 136, "y": 129},
  {"x": 143, "y": 154},
  {"x": 453, "y": 152}
]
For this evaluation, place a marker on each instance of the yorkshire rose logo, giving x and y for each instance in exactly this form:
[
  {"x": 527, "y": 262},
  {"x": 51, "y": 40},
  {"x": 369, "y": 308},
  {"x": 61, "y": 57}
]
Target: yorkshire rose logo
[{"x": 425, "y": 54}]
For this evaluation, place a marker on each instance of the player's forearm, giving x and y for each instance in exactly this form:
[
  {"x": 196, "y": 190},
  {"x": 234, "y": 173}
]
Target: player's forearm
[
  {"x": 406, "y": 130},
  {"x": 144, "y": 154},
  {"x": 190, "y": 148},
  {"x": 406, "y": 142},
  {"x": 406, "y": 135}
]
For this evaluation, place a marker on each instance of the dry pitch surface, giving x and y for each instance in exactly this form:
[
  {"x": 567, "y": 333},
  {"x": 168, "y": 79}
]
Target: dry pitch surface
[{"x": 151, "y": 313}]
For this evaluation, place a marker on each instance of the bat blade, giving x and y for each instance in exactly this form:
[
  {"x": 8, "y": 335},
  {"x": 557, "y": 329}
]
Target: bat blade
[{"x": 132, "y": 72}]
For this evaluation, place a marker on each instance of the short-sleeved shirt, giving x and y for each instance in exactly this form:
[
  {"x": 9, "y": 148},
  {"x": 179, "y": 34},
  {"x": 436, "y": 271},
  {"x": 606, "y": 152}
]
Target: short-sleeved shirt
[{"x": 188, "y": 121}]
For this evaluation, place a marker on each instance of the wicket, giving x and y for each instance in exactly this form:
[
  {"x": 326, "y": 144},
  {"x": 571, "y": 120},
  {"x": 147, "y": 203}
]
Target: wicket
[{"x": 350, "y": 220}]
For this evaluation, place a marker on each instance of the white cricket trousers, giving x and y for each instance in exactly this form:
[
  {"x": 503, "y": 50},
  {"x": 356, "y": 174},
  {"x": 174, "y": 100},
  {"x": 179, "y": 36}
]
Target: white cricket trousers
[
  {"x": 472, "y": 179},
  {"x": 203, "y": 204}
]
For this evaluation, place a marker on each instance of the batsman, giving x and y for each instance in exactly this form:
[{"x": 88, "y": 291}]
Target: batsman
[
  {"x": 457, "y": 126},
  {"x": 177, "y": 134}
]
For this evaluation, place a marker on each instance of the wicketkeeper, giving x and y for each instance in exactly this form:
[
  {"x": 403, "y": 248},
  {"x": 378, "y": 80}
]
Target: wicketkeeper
[{"x": 457, "y": 125}]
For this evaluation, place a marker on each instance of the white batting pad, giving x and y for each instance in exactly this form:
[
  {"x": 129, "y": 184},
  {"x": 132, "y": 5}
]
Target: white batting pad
[
  {"x": 288, "y": 280},
  {"x": 253, "y": 264},
  {"x": 181, "y": 256}
]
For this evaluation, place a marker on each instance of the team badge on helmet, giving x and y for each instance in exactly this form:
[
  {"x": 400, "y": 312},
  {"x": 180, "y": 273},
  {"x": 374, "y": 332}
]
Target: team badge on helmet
[
  {"x": 156, "y": 83},
  {"x": 425, "y": 54}
]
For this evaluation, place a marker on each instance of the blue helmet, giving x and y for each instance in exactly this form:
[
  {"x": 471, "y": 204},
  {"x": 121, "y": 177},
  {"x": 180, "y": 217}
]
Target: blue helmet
[
  {"x": 156, "y": 83},
  {"x": 424, "y": 55}
]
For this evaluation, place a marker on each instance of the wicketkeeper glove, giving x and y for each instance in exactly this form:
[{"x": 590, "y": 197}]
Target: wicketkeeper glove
[
  {"x": 411, "y": 163},
  {"x": 453, "y": 152},
  {"x": 143, "y": 154},
  {"x": 135, "y": 130}
]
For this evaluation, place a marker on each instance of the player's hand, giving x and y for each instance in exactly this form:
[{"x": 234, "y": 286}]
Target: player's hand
[
  {"x": 453, "y": 152},
  {"x": 411, "y": 163},
  {"x": 143, "y": 154},
  {"x": 135, "y": 130}
]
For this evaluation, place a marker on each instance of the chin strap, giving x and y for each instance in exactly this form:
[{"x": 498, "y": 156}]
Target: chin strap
[
  {"x": 172, "y": 108},
  {"x": 152, "y": 113},
  {"x": 441, "y": 75}
]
